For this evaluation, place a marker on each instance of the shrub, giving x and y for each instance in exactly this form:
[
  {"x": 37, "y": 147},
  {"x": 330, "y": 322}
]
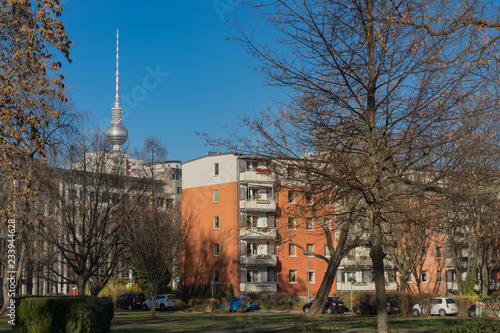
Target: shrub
[
  {"x": 203, "y": 304},
  {"x": 230, "y": 291},
  {"x": 76, "y": 314},
  {"x": 180, "y": 306},
  {"x": 281, "y": 301},
  {"x": 477, "y": 325},
  {"x": 116, "y": 288}
]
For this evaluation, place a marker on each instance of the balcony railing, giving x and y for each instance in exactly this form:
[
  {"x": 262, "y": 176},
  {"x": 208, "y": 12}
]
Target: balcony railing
[
  {"x": 258, "y": 260},
  {"x": 364, "y": 286},
  {"x": 258, "y": 233},
  {"x": 258, "y": 287},
  {"x": 267, "y": 205},
  {"x": 256, "y": 176},
  {"x": 356, "y": 261}
]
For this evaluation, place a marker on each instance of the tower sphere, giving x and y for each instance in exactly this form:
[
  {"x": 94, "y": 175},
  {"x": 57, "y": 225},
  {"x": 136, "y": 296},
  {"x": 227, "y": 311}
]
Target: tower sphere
[{"x": 116, "y": 134}]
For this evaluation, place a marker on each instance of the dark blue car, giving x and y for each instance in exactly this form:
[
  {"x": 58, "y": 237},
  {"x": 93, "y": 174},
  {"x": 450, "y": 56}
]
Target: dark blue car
[
  {"x": 332, "y": 305},
  {"x": 238, "y": 303}
]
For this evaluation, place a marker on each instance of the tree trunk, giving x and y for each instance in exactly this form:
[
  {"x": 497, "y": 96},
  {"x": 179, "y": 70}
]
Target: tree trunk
[
  {"x": 403, "y": 283},
  {"x": 377, "y": 255},
  {"x": 484, "y": 275},
  {"x": 331, "y": 271},
  {"x": 5, "y": 284},
  {"x": 81, "y": 284},
  {"x": 318, "y": 304}
]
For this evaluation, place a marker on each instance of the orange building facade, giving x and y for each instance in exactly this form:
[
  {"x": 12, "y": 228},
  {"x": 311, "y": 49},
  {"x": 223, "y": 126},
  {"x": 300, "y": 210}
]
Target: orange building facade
[
  {"x": 230, "y": 208},
  {"x": 235, "y": 218}
]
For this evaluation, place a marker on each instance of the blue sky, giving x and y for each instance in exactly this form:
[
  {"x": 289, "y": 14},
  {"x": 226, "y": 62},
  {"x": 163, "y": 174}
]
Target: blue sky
[{"x": 178, "y": 73}]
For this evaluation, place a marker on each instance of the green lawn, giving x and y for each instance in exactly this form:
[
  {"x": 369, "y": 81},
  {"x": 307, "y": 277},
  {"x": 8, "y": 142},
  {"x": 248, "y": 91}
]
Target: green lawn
[
  {"x": 128, "y": 322},
  {"x": 138, "y": 321},
  {"x": 4, "y": 326}
]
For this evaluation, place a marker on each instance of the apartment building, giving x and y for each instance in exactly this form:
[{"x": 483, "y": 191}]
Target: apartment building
[
  {"x": 233, "y": 211},
  {"x": 239, "y": 215}
]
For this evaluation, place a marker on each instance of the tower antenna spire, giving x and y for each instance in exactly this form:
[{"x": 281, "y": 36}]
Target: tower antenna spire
[
  {"x": 117, "y": 96},
  {"x": 116, "y": 133}
]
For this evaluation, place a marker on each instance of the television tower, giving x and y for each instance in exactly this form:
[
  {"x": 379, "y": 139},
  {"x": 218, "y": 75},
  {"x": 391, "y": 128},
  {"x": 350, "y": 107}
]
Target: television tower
[{"x": 116, "y": 134}]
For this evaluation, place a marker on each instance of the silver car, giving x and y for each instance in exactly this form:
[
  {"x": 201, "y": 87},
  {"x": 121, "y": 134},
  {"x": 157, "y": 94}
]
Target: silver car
[
  {"x": 163, "y": 302},
  {"x": 442, "y": 306}
]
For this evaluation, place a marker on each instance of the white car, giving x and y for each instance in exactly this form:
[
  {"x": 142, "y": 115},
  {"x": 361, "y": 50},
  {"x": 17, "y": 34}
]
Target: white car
[
  {"x": 163, "y": 302},
  {"x": 443, "y": 306}
]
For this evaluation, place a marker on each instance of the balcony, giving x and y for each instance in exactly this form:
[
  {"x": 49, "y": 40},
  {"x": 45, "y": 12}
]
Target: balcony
[
  {"x": 364, "y": 286},
  {"x": 258, "y": 287},
  {"x": 259, "y": 205},
  {"x": 257, "y": 233},
  {"x": 253, "y": 176},
  {"x": 356, "y": 262},
  {"x": 258, "y": 260}
]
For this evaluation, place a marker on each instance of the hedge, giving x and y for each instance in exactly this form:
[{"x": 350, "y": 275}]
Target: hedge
[{"x": 75, "y": 314}]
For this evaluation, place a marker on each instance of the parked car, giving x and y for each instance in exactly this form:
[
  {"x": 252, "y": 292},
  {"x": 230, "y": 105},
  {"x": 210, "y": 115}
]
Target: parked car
[
  {"x": 369, "y": 306},
  {"x": 238, "y": 303},
  {"x": 163, "y": 302},
  {"x": 130, "y": 301},
  {"x": 471, "y": 311},
  {"x": 392, "y": 305},
  {"x": 487, "y": 308},
  {"x": 332, "y": 305},
  {"x": 443, "y": 306}
]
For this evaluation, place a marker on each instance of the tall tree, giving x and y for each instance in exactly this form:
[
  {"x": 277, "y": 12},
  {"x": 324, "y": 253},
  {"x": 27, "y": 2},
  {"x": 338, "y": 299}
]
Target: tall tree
[
  {"x": 152, "y": 229},
  {"x": 29, "y": 87},
  {"x": 380, "y": 91},
  {"x": 83, "y": 230}
]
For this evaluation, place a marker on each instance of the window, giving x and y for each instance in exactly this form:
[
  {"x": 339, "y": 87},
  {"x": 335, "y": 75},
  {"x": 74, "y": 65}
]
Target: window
[
  {"x": 216, "y": 169},
  {"x": 409, "y": 279},
  {"x": 439, "y": 252},
  {"x": 391, "y": 276},
  {"x": 309, "y": 199},
  {"x": 424, "y": 277},
  {"x": 292, "y": 276},
  {"x": 179, "y": 190},
  {"x": 439, "y": 277},
  {"x": 216, "y": 276},
  {"x": 310, "y": 226},
  {"x": 424, "y": 252},
  {"x": 291, "y": 250},
  {"x": 216, "y": 222},
  {"x": 310, "y": 247},
  {"x": 251, "y": 249},
  {"x": 252, "y": 276},
  {"x": 327, "y": 251},
  {"x": 349, "y": 277},
  {"x": 251, "y": 221},
  {"x": 310, "y": 276},
  {"x": 216, "y": 250},
  {"x": 216, "y": 196},
  {"x": 251, "y": 165},
  {"x": 328, "y": 223},
  {"x": 291, "y": 197},
  {"x": 291, "y": 223}
]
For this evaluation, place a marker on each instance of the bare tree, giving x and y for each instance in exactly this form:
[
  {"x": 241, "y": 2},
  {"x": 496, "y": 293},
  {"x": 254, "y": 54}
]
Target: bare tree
[
  {"x": 380, "y": 92},
  {"x": 472, "y": 237},
  {"x": 409, "y": 229},
  {"x": 82, "y": 230},
  {"x": 152, "y": 228}
]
